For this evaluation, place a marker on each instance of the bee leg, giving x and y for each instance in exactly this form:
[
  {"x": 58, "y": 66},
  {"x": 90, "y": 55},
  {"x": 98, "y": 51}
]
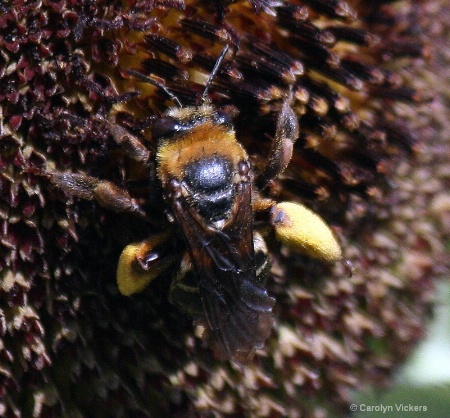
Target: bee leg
[
  {"x": 138, "y": 152},
  {"x": 106, "y": 193},
  {"x": 130, "y": 144},
  {"x": 300, "y": 229},
  {"x": 304, "y": 231},
  {"x": 280, "y": 154},
  {"x": 142, "y": 262}
]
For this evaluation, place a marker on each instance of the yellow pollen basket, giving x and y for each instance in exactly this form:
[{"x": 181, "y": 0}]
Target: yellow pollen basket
[
  {"x": 131, "y": 277},
  {"x": 303, "y": 231}
]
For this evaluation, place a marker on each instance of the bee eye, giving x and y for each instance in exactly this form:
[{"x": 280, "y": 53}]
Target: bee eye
[{"x": 166, "y": 126}]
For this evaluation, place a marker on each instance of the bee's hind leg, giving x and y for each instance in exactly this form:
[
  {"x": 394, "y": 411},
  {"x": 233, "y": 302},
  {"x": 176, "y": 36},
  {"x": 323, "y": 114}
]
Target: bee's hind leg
[
  {"x": 142, "y": 262},
  {"x": 296, "y": 226}
]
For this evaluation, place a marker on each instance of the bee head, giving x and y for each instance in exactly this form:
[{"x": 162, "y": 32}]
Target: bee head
[{"x": 182, "y": 120}]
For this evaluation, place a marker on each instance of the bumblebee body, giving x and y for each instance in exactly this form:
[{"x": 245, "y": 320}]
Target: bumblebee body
[
  {"x": 203, "y": 155},
  {"x": 207, "y": 182},
  {"x": 210, "y": 189}
]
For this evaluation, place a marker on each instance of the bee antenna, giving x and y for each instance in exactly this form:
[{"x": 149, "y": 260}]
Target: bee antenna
[
  {"x": 214, "y": 71},
  {"x": 149, "y": 80}
]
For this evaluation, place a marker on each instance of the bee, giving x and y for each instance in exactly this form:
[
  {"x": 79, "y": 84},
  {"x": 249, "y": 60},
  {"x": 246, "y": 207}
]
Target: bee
[{"x": 209, "y": 184}]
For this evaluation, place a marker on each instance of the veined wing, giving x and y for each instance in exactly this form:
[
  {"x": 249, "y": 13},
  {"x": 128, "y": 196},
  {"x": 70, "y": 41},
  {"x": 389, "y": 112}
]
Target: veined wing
[{"x": 237, "y": 307}]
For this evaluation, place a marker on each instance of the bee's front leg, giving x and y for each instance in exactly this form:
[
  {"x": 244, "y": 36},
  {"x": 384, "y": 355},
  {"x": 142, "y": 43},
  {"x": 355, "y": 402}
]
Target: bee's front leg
[
  {"x": 287, "y": 132},
  {"x": 130, "y": 144}
]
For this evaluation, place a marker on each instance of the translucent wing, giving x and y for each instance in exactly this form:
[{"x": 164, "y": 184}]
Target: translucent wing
[{"x": 237, "y": 307}]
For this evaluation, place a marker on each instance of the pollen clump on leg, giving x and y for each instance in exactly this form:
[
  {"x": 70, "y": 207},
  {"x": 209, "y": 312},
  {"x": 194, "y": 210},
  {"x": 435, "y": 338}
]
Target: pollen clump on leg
[
  {"x": 142, "y": 262},
  {"x": 303, "y": 231},
  {"x": 130, "y": 277}
]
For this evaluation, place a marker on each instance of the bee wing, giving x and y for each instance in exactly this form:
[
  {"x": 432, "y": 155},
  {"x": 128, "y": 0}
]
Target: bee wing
[{"x": 238, "y": 309}]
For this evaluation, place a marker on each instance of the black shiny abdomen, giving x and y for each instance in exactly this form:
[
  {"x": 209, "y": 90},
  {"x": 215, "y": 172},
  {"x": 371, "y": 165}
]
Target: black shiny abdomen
[{"x": 210, "y": 182}]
